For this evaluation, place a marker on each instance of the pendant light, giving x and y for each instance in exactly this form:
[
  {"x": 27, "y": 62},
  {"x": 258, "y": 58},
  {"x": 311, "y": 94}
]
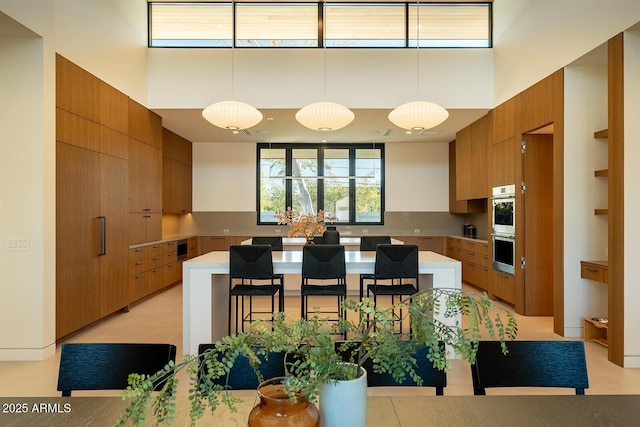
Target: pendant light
[
  {"x": 325, "y": 116},
  {"x": 232, "y": 115},
  {"x": 418, "y": 115}
]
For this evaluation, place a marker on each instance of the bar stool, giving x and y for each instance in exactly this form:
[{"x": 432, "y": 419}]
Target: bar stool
[
  {"x": 395, "y": 273},
  {"x": 323, "y": 274},
  {"x": 251, "y": 275}
]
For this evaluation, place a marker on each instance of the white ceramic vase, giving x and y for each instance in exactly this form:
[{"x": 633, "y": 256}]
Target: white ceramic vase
[{"x": 344, "y": 403}]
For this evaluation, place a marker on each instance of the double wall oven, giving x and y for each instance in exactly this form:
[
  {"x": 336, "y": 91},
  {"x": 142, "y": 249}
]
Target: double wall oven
[{"x": 503, "y": 201}]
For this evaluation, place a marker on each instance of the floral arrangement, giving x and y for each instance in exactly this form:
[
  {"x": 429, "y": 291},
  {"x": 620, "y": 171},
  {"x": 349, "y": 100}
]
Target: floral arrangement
[{"x": 303, "y": 224}]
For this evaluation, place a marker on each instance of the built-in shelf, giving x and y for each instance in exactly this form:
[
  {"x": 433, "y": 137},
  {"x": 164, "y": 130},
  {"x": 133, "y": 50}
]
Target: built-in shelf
[
  {"x": 596, "y": 329},
  {"x": 601, "y": 134},
  {"x": 601, "y": 173},
  {"x": 595, "y": 270},
  {"x": 601, "y": 211}
]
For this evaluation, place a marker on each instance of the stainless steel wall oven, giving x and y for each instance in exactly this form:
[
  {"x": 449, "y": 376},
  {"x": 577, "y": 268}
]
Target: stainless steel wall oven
[{"x": 503, "y": 201}]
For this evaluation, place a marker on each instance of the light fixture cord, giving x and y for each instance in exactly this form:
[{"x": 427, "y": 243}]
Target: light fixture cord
[
  {"x": 418, "y": 50},
  {"x": 233, "y": 52},
  {"x": 324, "y": 51}
]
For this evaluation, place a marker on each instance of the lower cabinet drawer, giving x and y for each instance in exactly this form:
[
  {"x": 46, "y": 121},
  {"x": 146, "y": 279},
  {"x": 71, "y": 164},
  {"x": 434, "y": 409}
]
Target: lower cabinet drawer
[
  {"x": 475, "y": 274},
  {"x": 156, "y": 279},
  {"x": 138, "y": 286},
  {"x": 504, "y": 287}
]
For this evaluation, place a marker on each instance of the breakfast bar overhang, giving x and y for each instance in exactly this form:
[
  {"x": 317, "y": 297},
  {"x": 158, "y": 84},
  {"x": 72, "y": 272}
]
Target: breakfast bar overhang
[{"x": 205, "y": 286}]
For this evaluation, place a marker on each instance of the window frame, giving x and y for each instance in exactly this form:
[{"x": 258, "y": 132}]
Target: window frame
[
  {"x": 320, "y": 42},
  {"x": 352, "y": 147}
]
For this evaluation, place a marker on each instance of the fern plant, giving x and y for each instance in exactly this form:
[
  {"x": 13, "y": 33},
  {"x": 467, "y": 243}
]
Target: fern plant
[{"x": 312, "y": 358}]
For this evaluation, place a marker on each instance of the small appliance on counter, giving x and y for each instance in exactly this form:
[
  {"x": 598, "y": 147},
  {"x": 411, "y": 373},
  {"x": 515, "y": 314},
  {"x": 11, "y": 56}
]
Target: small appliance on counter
[{"x": 469, "y": 230}]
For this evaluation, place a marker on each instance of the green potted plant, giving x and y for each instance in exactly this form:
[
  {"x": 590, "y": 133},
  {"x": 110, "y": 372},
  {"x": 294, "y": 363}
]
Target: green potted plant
[{"x": 315, "y": 361}]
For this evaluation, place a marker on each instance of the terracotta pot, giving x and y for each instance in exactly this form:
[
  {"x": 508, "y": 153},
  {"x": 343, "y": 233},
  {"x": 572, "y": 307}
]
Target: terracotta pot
[{"x": 275, "y": 409}]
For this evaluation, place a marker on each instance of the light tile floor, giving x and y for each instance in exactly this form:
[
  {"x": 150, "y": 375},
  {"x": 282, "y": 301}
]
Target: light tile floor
[{"x": 159, "y": 319}]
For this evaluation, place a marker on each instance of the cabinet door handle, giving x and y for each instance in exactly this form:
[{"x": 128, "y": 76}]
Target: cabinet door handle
[{"x": 102, "y": 235}]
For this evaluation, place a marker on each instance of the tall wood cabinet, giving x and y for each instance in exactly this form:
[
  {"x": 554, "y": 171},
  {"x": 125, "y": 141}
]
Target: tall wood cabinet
[
  {"x": 91, "y": 199},
  {"x": 145, "y": 174},
  {"x": 176, "y": 173},
  {"x": 471, "y": 160}
]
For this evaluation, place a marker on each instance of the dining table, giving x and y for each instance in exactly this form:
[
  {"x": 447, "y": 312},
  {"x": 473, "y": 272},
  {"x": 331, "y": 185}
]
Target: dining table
[
  {"x": 406, "y": 410},
  {"x": 205, "y": 286}
]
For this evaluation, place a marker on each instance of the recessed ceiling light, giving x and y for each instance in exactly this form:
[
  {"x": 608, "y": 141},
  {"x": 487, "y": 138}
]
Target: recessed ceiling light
[
  {"x": 408, "y": 132},
  {"x": 270, "y": 118}
]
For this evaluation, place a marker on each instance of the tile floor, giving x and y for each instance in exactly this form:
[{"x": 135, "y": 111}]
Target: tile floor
[{"x": 159, "y": 319}]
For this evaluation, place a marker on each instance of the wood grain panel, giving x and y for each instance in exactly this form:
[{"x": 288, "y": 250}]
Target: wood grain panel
[
  {"x": 558, "y": 203},
  {"x": 504, "y": 163},
  {"x": 503, "y": 121},
  {"x": 479, "y": 151},
  {"x": 114, "y": 106},
  {"x": 144, "y": 125},
  {"x": 77, "y": 90},
  {"x": 463, "y": 164},
  {"x": 503, "y": 286},
  {"x": 145, "y": 177},
  {"x": 616, "y": 199},
  {"x": 114, "y": 206},
  {"x": 114, "y": 143},
  {"x": 77, "y": 264},
  {"x": 538, "y": 232},
  {"x": 537, "y": 105},
  {"x": 77, "y": 130}
]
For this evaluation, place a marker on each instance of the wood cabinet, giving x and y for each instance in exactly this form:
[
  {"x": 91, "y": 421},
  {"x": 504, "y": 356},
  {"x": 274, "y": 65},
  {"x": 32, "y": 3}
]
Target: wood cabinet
[
  {"x": 504, "y": 162},
  {"x": 152, "y": 268},
  {"x": 474, "y": 256},
  {"x": 425, "y": 243},
  {"x": 455, "y": 205},
  {"x": 145, "y": 192},
  {"x": 471, "y": 155},
  {"x": 145, "y": 174},
  {"x": 536, "y": 104},
  {"x": 176, "y": 173},
  {"x": 503, "y": 286},
  {"x": 192, "y": 247},
  {"x": 218, "y": 243},
  {"x": 91, "y": 201},
  {"x": 503, "y": 121}
]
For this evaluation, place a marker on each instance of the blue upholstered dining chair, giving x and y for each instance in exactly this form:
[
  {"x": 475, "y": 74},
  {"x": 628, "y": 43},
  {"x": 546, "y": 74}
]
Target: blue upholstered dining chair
[
  {"x": 242, "y": 375},
  {"x": 530, "y": 364},
  {"x": 106, "y": 366},
  {"x": 431, "y": 376}
]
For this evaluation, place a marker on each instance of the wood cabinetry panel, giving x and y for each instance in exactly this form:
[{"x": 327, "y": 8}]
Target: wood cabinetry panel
[
  {"x": 504, "y": 162},
  {"x": 114, "y": 207},
  {"x": 144, "y": 227},
  {"x": 114, "y": 108},
  {"x": 474, "y": 258},
  {"x": 77, "y": 130},
  {"x": 77, "y": 90},
  {"x": 503, "y": 118},
  {"x": 471, "y": 153},
  {"x": 595, "y": 270},
  {"x": 144, "y": 125},
  {"x": 537, "y": 105},
  {"x": 145, "y": 177},
  {"x": 455, "y": 205},
  {"x": 114, "y": 143},
  {"x": 479, "y": 184},
  {"x": 77, "y": 263},
  {"x": 176, "y": 147},
  {"x": 504, "y": 287}
]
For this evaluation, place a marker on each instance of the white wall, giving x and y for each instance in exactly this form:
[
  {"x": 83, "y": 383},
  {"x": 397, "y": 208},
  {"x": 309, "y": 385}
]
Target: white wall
[
  {"x": 417, "y": 177},
  {"x": 27, "y": 207},
  {"x": 292, "y": 78},
  {"x": 585, "y": 234},
  {"x": 224, "y": 177},
  {"x": 534, "y": 38},
  {"x": 631, "y": 198}
]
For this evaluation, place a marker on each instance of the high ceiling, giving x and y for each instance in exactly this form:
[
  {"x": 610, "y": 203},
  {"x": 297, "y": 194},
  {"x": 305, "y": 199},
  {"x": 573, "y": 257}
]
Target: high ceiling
[{"x": 279, "y": 125}]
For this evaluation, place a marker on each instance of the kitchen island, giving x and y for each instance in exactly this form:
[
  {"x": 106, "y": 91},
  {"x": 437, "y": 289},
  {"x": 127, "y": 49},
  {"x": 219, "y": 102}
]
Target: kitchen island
[{"x": 205, "y": 287}]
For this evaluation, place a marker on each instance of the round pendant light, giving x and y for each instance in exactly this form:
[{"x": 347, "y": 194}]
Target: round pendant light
[
  {"x": 418, "y": 115},
  {"x": 325, "y": 116},
  {"x": 232, "y": 115}
]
